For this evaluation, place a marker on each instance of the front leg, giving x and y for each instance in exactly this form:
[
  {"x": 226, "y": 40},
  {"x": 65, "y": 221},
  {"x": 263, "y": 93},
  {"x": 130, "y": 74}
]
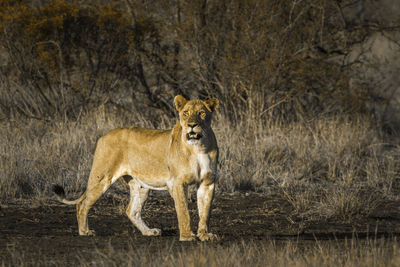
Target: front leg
[
  {"x": 205, "y": 195},
  {"x": 178, "y": 194}
]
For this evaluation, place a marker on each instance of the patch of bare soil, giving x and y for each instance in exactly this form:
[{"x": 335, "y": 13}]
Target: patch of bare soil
[{"x": 50, "y": 231}]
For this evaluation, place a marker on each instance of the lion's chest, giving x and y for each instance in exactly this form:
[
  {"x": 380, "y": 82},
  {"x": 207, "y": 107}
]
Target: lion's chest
[{"x": 201, "y": 166}]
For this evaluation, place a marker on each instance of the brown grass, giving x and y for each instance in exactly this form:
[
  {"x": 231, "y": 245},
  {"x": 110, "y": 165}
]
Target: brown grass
[
  {"x": 329, "y": 167},
  {"x": 352, "y": 252}
]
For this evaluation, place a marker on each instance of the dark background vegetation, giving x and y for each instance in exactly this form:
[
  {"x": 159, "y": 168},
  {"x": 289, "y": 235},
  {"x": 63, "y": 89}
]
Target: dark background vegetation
[
  {"x": 308, "y": 92},
  {"x": 295, "y": 58}
]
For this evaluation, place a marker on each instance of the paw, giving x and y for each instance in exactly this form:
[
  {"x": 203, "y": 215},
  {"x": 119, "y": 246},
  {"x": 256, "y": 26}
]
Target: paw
[
  {"x": 87, "y": 233},
  {"x": 207, "y": 236},
  {"x": 187, "y": 237},
  {"x": 152, "y": 232}
]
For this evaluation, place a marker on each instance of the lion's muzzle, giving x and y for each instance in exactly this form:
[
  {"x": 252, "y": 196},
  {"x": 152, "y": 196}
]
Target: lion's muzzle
[{"x": 193, "y": 136}]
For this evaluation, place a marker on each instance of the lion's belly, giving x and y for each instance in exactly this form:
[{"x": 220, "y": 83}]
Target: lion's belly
[
  {"x": 151, "y": 184},
  {"x": 150, "y": 176}
]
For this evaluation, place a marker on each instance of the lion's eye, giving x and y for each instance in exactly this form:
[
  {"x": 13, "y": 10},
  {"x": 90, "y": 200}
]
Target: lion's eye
[
  {"x": 185, "y": 113},
  {"x": 202, "y": 114}
]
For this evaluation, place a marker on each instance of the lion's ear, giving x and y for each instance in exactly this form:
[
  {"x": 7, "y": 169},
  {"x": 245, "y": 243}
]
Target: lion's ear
[
  {"x": 180, "y": 102},
  {"x": 212, "y": 104}
]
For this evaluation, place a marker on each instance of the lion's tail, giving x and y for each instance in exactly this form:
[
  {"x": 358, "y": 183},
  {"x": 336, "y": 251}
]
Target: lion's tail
[{"x": 60, "y": 194}]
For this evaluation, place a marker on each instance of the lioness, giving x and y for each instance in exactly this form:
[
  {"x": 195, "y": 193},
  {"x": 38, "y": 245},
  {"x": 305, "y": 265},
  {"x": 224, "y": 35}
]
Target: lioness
[{"x": 158, "y": 160}]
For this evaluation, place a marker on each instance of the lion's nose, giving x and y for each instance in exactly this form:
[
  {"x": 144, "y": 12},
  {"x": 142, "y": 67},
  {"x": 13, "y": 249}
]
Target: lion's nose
[{"x": 192, "y": 125}]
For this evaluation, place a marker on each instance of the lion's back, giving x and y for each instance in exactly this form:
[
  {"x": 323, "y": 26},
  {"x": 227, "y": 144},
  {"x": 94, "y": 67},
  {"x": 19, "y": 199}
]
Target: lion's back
[{"x": 140, "y": 140}]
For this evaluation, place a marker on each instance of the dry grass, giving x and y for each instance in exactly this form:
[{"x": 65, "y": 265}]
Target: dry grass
[
  {"x": 352, "y": 252},
  {"x": 268, "y": 253},
  {"x": 329, "y": 167},
  {"x": 37, "y": 154}
]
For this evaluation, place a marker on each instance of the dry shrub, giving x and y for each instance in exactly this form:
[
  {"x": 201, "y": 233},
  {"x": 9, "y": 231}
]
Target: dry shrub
[{"x": 62, "y": 55}]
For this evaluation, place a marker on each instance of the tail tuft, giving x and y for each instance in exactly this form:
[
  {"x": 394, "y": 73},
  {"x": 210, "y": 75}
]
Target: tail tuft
[
  {"x": 59, "y": 191},
  {"x": 60, "y": 194}
]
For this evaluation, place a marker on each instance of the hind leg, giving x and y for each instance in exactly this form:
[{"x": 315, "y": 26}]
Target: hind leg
[
  {"x": 138, "y": 196},
  {"x": 93, "y": 192},
  {"x": 105, "y": 171}
]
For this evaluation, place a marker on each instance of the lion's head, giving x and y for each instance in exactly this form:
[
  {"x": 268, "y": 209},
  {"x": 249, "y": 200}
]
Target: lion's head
[{"x": 195, "y": 117}]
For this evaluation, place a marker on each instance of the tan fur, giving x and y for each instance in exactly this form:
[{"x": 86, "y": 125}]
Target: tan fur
[{"x": 159, "y": 160}]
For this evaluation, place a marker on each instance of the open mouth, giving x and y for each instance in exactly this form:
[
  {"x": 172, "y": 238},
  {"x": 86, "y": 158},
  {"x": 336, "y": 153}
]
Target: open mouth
[{"x": 193, "y": 136}]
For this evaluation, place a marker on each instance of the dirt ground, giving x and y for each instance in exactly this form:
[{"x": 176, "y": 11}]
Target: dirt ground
[{"x": 50, "y": 230}]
